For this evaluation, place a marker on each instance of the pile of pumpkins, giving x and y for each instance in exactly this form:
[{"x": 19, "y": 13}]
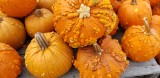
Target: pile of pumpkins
[{"x": 56, "y": 27}]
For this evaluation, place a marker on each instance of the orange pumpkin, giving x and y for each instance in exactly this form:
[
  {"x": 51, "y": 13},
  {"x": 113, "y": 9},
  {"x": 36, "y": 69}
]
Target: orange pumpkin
[
  {"x": 48, "y": 56},
  {"x": 156, "y": 10},
  {"x": 17, "y": 8},
  {"x": 46, "y": 4},
  {"x": 104, "y": 61},
  {"x": 12, "y": 31},
  {"x": 82, "y": 22},
  {"x": 141, "y": 43},
  {"x": 132, "y": 12},
  {"x": 10, "y": 62},
  {"x": 154, "y": 2},
  {"x": 116, "y": 4},
  {"x": 41, "y": 20}
]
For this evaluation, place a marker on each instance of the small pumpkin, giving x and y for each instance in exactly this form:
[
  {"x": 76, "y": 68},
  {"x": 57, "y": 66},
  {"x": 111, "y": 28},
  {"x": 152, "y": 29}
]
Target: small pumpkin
[
  {"x": 141, "y": 43},
  {"x": 132, "y": 12},
  {"x": 105, "y": 60},
  {"x": 48, "y": 56},
  {"x": 41, "y": 20},
  {"x": 116, "y": 4},
  {"x": 10, "y": 62},
  {"x": 156, "y": 10},
  {"x": 154, "y": 2},
  {"x": 12, "y": 31},
  {"x": 46, "y": 4},
  {"x": 82, "y": 22},
  {"x": 17, "y": 8}
]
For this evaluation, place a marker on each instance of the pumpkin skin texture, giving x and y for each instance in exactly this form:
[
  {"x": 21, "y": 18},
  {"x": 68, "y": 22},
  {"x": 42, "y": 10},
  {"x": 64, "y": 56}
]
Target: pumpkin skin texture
[
  {"x": 82, "y": 22},
  {"x": 12, "y": 32},
  {"x": 46, "y": 4},
  {"x": 116, "y": 4},
  {"x": 132, "y": 12},
  {"x": 154, "y": 2},
  {"x": 156, "y": 10},
  {"x": 17, "y": 8},
  {"x": 110, "y": 63},
  {"x": 41, "y": 20},
  {"x": 141, "y": 43},
  {"x": 50, "y": 58},
  {"x": 10, "y": 62}
]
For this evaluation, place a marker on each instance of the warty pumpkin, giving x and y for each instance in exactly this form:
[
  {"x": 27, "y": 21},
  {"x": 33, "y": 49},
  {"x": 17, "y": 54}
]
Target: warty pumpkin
[
  {"x": 41, "y": 20},
  {"x": 132, "y": 12},
  {"x": 105, "y": 60},
  {"x": 82, "y": 22},
  {"x": 48, "y": 56},
  {"x": 46, "y": 4},
  {"x": 17, "y": 8},
  {"x": 12, "y": 31},
  {"x": 10, "y": 62},
  {"x": 116, "y": 4},
  {"x": 141, "y": 43}
]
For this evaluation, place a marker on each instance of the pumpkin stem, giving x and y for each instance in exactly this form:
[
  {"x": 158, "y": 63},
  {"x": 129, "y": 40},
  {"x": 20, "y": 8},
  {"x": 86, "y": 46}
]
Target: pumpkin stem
[
  {"x": 134, "y": 2},
  {"x": 98, "y": 49},
  {"x": 38, "y": 13},
  {"x": 1, "y": 19},
  {"x": 42, "y": 42},
  {"x": 146, "y": 24}
]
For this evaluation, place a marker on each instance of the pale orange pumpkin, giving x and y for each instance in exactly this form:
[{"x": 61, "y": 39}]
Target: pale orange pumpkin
[
  {"x": 46, "y": 4},
  {"x": 41, "y": 20},
  {"x": 106, "y": 60},
  {"x": 48, "y": 56},
  {"x": 12, "y": 31},
  {"x": 17, "y": 8},
  {"x": 10, "y": 62},
  {"x": 132, "y": 12},
  {"x": 82, "y": 22},
  {"x": 142, "y": 42}
]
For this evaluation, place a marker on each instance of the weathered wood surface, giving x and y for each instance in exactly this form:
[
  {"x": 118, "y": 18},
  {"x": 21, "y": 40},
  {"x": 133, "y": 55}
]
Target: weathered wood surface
[{"x": 149, "y": 69}]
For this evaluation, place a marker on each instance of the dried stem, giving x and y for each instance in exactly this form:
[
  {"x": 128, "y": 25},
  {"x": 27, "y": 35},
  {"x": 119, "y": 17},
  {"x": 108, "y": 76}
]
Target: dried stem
[
  {"x": 146, "y": 25},
  {"x": 134, "y": 2},
  {"x": 41, "y": 40},
  {"x": 38, "y": 13},
  {"x": 98, "y": 49}
]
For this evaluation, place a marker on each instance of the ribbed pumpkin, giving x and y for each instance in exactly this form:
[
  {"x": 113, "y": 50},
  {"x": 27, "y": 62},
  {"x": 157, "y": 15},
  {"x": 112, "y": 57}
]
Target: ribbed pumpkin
[
  {"x": 48, "y": 56},
  {"x": 104, "y": 61},
  {"x": 12, "y": 31},
  {"x": 82, "y": 22},
  {"x": 141, "y": 43},
  {"x": 46, "y": 4},
  {"x": 156, "y": 10},
  {"x": 132, "y": 12},
  {"x": 10, "y": 62},
  {"x": 17, "y": 8},
  {"x": 41, "y": 20},
  {"x": 116, "y": 4}
]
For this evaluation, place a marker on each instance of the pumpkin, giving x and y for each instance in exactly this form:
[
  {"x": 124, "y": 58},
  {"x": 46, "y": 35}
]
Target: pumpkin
[
  {"x": 156, "y": 10},
  {"x": 46, "y": 4},
  {"x": 41, "y": 20},
  {"x": 116, "y": 4},
  {"x": 154, "y": 2},
  {"x": 132, "y": 12},
  {"x": 10, "y": 62},
  {"x": 82, "y": 22},
  {"x": 17, "y": 8},
  {"x": 141, "y": 43},
  {"x": 48, "y": 56},
  {"x": 106, "y": 60},
  {"x": 12, "y": 31}
]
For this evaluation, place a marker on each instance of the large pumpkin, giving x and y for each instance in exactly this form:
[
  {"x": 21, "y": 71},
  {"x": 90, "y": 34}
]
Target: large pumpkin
[
  {"x": 116, "y": 4},
  {"x": 48, "y": 56},
  {"x": 132, "y": 12},
  {"x": 41, "y": 20},
  {"x": 141, "y": 43},
  {"x": 104, "y": 61},
  {"x": 12, "y": 31},
  {"x": 10, "y": 62},
  {"x": 17, "y": 8},
  {"x": 82, "y": 22},
  {"x": 46, "y": 4}
]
